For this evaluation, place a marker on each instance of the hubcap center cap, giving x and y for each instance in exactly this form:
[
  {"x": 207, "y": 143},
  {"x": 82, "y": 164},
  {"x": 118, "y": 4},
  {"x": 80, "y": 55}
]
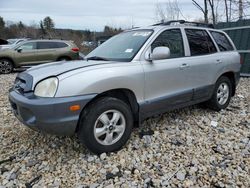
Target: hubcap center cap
[{"x": 111, "y": 127}]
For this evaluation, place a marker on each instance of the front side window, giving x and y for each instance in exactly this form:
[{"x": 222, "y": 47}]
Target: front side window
[
  {"x": 122, "y": 47},
  {"x": 199, "y": 42},
  {"x": 171, "y": 39},
  {"x": 28, "y": 46},
  {"x": 222, "y": 41}
]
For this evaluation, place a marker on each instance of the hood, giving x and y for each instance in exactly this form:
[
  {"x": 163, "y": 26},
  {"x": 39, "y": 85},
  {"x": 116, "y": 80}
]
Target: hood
[{"x": 41, "y": 72}]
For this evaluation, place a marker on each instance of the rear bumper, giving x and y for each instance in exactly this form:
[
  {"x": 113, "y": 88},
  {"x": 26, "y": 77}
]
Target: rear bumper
[{"x": 50, "y": 115}]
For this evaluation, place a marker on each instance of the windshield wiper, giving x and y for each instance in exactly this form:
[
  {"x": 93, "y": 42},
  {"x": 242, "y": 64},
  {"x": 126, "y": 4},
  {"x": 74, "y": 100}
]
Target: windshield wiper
[{"x": 97, "y": 58}]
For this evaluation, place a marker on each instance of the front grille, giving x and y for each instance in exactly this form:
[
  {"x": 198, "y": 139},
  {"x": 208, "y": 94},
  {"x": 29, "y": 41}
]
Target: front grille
[
  {"x": 23, "y": 83},
  {"x": 19, "y": 85}
]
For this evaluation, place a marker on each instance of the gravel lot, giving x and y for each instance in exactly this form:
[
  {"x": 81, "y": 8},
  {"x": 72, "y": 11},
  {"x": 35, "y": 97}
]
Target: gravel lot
[{"x": 191, "y": 147}]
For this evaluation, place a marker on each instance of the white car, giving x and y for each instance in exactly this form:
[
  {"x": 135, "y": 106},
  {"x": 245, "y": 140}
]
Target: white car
[{"x": 11, "y": 43}]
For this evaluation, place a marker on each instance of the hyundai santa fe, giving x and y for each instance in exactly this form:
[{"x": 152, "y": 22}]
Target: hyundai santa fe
[{"x": 134, "y": 75}]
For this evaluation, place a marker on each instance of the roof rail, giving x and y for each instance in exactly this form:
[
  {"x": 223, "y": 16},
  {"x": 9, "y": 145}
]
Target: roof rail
[{"x": 198, "y": 24}]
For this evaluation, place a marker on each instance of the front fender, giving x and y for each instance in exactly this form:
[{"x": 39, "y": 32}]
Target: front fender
[{"x": 102, "y": 79}]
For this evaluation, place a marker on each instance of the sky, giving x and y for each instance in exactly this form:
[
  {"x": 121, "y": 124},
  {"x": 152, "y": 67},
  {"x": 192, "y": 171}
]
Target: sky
[{"x": 90, "y": 14}]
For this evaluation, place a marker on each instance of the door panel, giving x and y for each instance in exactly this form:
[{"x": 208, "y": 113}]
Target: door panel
[
  {"x": 46, "y": 51},
  {"x": 25, "y": 53},
  {"x": 44, "y": 55},
  {"x": 204, "y": 62},
  {"x": 167, "y": 81}
]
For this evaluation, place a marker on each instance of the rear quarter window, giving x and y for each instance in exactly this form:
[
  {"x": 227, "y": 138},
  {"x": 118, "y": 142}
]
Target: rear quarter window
[
  {"x": 222, "y": 41},
  {"x": 61, "y": 45}
]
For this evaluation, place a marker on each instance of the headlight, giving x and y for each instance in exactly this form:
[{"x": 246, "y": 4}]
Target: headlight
[{"x": 47, "y": 87}]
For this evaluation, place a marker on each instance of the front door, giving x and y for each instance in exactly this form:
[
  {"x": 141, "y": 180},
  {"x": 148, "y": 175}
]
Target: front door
[
  {"x": 25, "y": 53},
  {"x": 166, "y": 81}
]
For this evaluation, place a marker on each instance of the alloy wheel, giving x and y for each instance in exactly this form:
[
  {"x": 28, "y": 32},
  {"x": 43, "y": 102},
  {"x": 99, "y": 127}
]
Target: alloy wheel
[
  {"x": 109, "y": 127},
  {"x": 223, "y": 93}
]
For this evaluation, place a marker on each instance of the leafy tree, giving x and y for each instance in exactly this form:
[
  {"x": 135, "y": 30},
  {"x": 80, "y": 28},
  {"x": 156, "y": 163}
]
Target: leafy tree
[
  {"x": 2, "y": 23},
  {"x": 42, "y": 28},
  {"x": 48, "y": 23},
  {"x": 21, "y": 25}
]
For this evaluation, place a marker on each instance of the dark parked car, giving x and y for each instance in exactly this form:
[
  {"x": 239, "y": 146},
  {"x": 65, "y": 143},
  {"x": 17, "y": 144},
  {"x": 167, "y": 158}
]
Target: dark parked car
[{"x": 34, "y": 52}]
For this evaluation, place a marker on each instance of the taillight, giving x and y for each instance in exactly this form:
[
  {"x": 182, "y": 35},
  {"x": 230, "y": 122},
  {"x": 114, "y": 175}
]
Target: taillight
[
  {"x": 241, "y": 60},
  {"x": 75, "y": 49}
]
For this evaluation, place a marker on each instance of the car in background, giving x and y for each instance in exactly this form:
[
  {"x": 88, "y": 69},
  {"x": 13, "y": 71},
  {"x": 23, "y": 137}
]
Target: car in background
[
  {"x": 81, "y": 56},
  {"x": 35, "y": 52},
  {"x": 11, "y": 43}
]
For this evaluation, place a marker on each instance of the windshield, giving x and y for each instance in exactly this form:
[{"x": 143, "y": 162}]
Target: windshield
[
  {"x": 122, "y": 47},
  {"x": 11, "y": 41}
]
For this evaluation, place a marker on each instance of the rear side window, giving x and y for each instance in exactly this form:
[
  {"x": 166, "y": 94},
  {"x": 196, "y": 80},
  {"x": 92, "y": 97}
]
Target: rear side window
[
  {"x": 61, "y": 45},
  {"x": 222, "y": 41},
  {"x": 51, "y": 45},
  {"x": 199, "y": 42},
  {"x": 171, "y": 39}
]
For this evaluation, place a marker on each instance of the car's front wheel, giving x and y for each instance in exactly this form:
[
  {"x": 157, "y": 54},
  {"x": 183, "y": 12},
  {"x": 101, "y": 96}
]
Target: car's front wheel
[
  {"x": 105, "y": 125},
  {"x": 6, "y": 66}
]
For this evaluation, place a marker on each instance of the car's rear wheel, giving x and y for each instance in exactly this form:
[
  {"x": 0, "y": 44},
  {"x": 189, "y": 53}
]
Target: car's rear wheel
[
  {"x": 222, "y": 94},
  {"x": 105, "y": 125},
  {"x": 64, "y": 59},
  {"x": 6, "y": 66}
]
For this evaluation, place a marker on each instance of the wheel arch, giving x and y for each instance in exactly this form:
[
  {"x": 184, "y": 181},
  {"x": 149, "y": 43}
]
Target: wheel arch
[
  {"x": 126, "y": 95},
  {"x": 10, "y": 59},
  {"x": 64, "y": 56},
  {"x": 231, "y": 76}
]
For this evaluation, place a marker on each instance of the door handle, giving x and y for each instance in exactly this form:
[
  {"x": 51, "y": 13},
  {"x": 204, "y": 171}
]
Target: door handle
[
  {"x": 218, "y": 61},
  {"x": 184, "y": 66}
]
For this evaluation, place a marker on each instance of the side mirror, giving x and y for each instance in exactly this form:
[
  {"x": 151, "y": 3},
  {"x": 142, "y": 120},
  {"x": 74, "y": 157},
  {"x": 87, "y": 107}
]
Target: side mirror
[
  {"x": 160, "y": 53},
  {"x": 19, "y": 50}
]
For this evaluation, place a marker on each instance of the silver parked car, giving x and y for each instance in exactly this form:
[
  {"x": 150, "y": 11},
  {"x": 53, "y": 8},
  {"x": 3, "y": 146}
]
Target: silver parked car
[
  {"x": 132, "y": 76},
  {"x": 12, "y": 43}
]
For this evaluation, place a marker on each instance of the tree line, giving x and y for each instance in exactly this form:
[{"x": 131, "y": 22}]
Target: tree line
[{"x": 46, "y": 29}]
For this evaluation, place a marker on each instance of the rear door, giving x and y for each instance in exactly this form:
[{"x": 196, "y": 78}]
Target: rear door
[
  {"x": 203, "y": 62},
  {"x": 46, "y": 51},
  {"x": 25, "y": 53}
]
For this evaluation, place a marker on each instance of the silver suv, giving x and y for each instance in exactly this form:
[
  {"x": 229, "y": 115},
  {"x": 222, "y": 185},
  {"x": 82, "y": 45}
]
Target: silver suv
[{"x": 132, "y": 76}]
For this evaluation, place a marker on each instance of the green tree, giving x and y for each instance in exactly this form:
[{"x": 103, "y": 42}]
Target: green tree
[
  {"x": 2, "y": 23},
  {"x": 48, "y": 23},
  {"x": 42, "y": 28},
  {"x": 21, "y": 25}
]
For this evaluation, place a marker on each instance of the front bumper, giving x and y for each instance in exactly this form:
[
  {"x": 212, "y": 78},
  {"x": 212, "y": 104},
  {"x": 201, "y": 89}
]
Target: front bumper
[{"x": 50, "y": 115}]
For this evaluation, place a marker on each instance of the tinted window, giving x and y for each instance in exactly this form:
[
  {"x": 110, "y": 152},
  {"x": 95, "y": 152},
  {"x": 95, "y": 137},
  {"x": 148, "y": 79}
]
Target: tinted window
[
  {"x": 28, "y": 46},
  {"x": 171, "y": 39},
  {"x": 61, "y": 45},
  {"x": 46, "y": 45},
  {"x": 51, "y": 45},
  {"x": 222, "y": 41},
  {"x": 199, "y": 42}
]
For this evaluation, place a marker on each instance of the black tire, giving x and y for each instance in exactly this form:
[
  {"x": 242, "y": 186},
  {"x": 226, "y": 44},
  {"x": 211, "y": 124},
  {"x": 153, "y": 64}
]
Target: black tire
[
  {"x": 6, "y": 66},
  {"x": 92, "y": 114},
  {"x": 64, "y": 59},
  {"x": 214, "y": 102}
]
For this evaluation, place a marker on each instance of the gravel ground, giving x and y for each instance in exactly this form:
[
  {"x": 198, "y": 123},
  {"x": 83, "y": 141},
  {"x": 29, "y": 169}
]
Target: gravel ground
[{"x": 191, "y": 147}]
